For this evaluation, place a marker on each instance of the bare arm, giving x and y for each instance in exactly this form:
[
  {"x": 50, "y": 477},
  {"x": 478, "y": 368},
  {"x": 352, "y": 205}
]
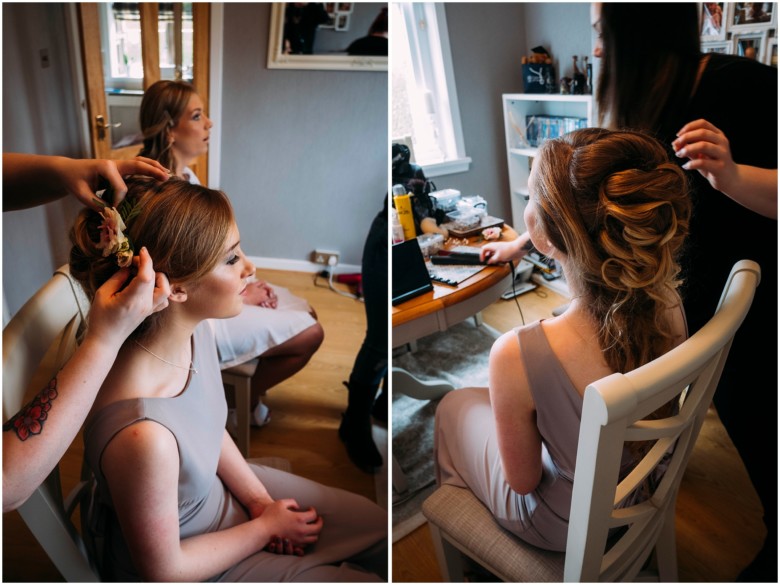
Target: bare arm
[
  {"x": 709, "y": 153},
  {"x": 519, "y": 441},
  {"x": 33, "y": 443},
  {"x": 141, "y": 465},
  {"x": 250, "y": 491},
  {"x": 31, "y": 179},
  {"x": 235, "y": 473}
]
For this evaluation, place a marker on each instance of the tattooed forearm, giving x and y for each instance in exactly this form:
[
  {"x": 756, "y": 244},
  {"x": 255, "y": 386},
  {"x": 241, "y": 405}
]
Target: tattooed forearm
[{"x": 29, "y": 420}]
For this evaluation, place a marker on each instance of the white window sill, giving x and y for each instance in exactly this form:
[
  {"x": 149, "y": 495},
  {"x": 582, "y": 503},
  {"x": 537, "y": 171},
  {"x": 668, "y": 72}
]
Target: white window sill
[{"x": 450, "y": 167}]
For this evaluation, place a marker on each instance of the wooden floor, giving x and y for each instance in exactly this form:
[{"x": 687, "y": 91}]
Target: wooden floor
[
  {"x": 305, "y": 409},
  {"x": 719, "y": 527},
  {"x": 718, "y": 516}
]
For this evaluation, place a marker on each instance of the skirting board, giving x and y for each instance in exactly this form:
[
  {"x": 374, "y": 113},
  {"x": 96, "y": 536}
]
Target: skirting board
[{"x": 299, "y": 265}]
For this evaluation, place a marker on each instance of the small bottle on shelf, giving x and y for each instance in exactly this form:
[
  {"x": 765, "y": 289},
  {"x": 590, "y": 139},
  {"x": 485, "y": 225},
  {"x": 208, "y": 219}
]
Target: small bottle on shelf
[{"x": 588, "y": 76}]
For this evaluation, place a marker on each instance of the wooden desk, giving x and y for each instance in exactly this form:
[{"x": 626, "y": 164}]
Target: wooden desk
[
  {"x": 437, "y": 310},
  {"x": 445, "y": 305}
]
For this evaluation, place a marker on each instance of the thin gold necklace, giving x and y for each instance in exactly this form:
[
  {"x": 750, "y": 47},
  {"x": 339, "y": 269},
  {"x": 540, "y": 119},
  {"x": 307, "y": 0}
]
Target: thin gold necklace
[{"x": 146, "y": 349}]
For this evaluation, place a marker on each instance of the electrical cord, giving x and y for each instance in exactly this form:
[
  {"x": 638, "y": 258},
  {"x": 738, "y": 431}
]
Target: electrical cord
[
  {"x": 341, "y": 292},
  {"x": 328, "y": 273},
  {"x": 514, "y": 292}
]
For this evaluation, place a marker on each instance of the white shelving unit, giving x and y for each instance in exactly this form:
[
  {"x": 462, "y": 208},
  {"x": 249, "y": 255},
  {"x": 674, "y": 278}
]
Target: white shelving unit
[
  {"x": 519, "y": 154},
  {"x": 516, "y": 107}
]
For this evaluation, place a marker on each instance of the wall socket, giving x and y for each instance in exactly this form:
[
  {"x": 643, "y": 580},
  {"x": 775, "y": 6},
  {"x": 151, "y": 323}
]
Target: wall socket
[{"x": 325, "y": 257}]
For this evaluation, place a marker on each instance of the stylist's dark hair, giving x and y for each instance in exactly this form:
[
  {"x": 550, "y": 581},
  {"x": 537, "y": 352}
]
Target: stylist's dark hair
[
  {"x": 649, "y": 65},
  {"x": 380, "y": 23}
]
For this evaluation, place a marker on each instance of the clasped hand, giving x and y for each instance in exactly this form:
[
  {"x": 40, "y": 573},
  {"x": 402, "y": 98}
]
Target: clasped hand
[
  {"x": 292, "y": 528},
  {"x": 261, "y": 294}
]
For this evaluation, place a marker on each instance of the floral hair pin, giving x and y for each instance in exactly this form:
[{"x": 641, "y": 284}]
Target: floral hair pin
[{"x": 112, "y": 237}]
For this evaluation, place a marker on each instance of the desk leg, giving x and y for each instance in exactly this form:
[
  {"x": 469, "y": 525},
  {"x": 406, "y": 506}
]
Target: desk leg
[{"x": 406, "y": 383}]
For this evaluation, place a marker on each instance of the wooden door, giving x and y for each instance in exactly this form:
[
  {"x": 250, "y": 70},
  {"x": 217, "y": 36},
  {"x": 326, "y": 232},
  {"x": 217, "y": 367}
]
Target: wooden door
[{"x": 102, "y": 129}]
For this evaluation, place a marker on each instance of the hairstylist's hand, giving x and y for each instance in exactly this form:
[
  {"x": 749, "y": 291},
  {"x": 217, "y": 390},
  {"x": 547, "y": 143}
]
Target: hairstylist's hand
[
  {"x": 82, "y": 177},
  {"x": 709, "y": 153},
  {"x": 115, "y": 313}
]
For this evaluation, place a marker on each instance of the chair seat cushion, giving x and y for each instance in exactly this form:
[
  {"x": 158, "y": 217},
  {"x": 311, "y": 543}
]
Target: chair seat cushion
[
  {"x": 458, "y": 513},
  {"x": 246, "y": 369}
]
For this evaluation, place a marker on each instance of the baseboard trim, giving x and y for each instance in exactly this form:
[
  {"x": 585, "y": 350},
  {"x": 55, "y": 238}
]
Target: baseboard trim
[{"x": 299, "y": 265}]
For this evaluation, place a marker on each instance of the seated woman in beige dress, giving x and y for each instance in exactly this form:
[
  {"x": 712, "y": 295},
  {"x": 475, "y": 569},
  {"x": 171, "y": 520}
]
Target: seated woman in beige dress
[
  {"x": 613, "y": 211},
  {"x": 174, "y": 499}
]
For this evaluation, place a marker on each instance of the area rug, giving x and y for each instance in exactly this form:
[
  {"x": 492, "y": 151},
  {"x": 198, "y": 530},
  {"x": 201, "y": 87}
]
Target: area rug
[{"x": 458, "y": 356}]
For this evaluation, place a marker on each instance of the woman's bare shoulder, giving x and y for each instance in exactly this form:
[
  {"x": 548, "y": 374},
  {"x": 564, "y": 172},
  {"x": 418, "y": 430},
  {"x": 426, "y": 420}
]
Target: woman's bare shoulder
[{"x": 143, "y": 443}]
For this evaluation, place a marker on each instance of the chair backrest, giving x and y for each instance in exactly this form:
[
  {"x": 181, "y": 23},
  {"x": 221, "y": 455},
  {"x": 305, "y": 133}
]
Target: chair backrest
[
  {"x": 612, "y": 414},
  {"x": 37, "y": 342}
]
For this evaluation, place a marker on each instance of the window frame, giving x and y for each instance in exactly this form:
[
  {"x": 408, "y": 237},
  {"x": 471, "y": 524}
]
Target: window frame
[{"x": 432, "y": 62}]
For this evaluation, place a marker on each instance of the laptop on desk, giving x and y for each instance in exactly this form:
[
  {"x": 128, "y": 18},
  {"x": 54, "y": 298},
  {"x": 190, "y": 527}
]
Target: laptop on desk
[{"x": 410, "y": 274}]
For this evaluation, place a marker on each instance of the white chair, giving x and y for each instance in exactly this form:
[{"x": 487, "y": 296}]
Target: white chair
[
  {"x": 37, "y": 342},
  {"x": 613, "y": 412}
]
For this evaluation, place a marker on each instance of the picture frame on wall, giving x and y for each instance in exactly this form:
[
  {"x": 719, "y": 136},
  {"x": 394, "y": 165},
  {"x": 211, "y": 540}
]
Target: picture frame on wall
[
  {"x": 342, "y": 20},
  {"x": 722, "y": 47},
  {"x": 712, "y": 18},
  {"x": 750, "y": 44},
  {"x": 751, "y": 16},
  {"x": 771, "y": 52}
]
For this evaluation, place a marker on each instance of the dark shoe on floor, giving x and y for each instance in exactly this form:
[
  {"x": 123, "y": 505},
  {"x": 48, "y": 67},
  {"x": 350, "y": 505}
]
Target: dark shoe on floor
[{"x": 356, "y": 436}]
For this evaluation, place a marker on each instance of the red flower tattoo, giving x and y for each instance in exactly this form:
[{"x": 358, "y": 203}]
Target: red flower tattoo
[{"x": 29, "y": 420}]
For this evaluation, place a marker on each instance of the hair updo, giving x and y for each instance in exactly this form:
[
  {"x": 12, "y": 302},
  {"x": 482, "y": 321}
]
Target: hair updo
[
  {"x": 619, "y": 210},
  {"x": 183, "y": 226},
  {"x": 162, "y": 106}
]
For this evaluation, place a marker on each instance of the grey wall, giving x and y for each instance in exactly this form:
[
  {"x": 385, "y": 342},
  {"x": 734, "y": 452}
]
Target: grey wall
[
  {"x": 40, "y": 116},
  {"x": 488, "y": 41},
  {"x": 563, "y": 29},
  {"x": 304, "y": 153}
]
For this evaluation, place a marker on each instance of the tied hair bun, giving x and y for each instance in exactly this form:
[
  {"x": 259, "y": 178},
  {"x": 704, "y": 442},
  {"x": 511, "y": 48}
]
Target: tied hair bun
[
  {"x": 645, "y": 217},
  {"x": 87, "y": 263}
]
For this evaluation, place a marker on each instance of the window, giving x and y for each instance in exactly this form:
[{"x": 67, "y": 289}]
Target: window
[
  {"x": 121, "y": 29},
  {"x": 424, "y": 101}
]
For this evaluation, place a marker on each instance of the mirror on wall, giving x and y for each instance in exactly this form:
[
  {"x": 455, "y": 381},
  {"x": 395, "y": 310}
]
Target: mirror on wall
[{"x": 349, "y": 36}]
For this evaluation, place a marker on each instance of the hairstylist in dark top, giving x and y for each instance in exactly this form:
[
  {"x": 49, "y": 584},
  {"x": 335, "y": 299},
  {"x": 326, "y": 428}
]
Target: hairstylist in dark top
[{"x": 697, "y": 104}]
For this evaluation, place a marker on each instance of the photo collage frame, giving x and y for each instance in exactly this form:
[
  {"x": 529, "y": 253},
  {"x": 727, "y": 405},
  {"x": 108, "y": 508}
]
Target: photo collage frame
[
  {"x": 747, "y": 29},
  {"x": 339, "y": 14}
]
